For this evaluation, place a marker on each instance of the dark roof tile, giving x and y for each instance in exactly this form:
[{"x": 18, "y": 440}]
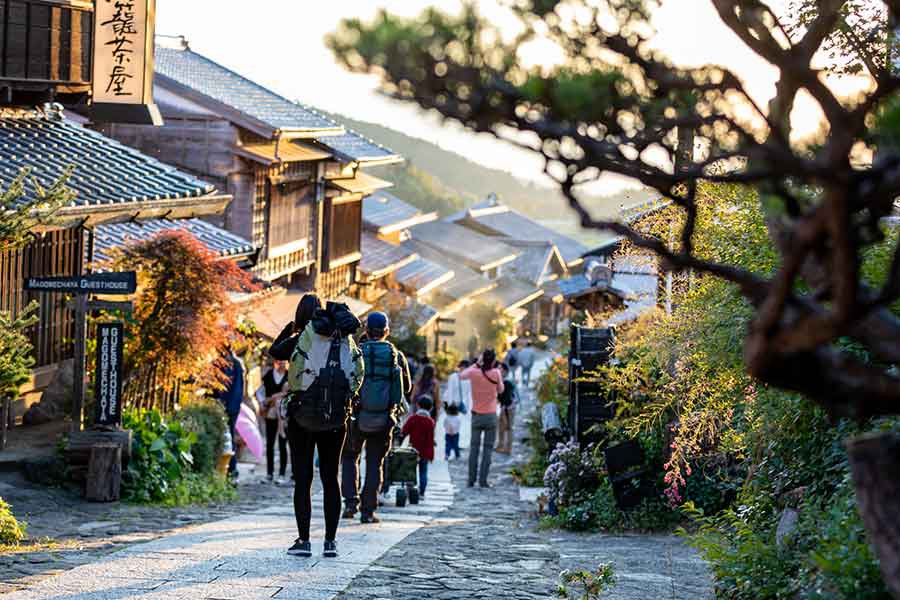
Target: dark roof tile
[
  {"x": 116, "y": 235},
  {"x": 105, "y": 171}
]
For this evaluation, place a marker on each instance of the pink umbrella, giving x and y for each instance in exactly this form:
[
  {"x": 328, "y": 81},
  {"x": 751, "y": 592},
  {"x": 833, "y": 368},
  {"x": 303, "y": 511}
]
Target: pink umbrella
[{"x": 248, "y": 430}]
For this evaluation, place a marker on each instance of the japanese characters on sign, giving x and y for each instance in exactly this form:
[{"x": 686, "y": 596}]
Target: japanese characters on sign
[
  {"x": 123, "y": 51},
  {"x": 108, "y": 393}
]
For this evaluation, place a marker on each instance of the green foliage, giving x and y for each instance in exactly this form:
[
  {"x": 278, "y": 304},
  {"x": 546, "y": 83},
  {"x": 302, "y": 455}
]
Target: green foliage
[
  {"x": 26, "y": 204},
  {"x": 12, "y": 531},
  {"x": 588, "y": 585},
  {"x": 200, "y": 488},
  {"x": 160, "y": 456},
  {"x": 16, "y": 357},
  {"x": 445, "y": 362},
  {"x": 206, "y": 419},
  {"x": 495, "y": 328}
]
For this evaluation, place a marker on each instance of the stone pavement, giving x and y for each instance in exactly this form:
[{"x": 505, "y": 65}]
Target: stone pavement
[{"x": 241, "y": 558}]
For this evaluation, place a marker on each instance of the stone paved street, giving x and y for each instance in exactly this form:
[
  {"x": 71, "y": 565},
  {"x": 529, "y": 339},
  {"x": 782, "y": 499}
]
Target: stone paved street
[{"x": 461, "y": 543}]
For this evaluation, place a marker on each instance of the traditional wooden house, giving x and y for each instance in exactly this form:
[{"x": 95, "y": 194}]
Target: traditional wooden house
[
  {"x": 294, "y": 173},
  {"x": 113, "y": 183}
]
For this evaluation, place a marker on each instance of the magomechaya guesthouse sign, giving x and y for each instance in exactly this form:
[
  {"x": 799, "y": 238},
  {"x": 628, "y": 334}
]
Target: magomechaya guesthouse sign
[
  {"x": 99, "y": 283},
  {"x": 108, "y": 373},
  {"x": 123, "y": 61}
]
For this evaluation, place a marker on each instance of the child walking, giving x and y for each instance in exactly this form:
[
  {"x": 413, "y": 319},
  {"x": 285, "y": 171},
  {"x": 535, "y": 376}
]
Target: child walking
[
  {"x": 420, "y": 429},
  {"x": 452, "y": 427}
]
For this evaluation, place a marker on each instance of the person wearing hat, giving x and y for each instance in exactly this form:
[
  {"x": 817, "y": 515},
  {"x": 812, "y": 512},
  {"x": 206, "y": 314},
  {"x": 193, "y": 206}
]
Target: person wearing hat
[{"x": 381, "y": 403}]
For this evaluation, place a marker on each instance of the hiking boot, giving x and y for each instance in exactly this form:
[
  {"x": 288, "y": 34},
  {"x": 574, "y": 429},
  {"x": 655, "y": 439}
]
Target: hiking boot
[
  {"x": 349, "y": 513},
  {"x": 485, "y": 486},
  {"x": 366, "y": 519},
  {"x": 300, "y": 548},
  {"x": 270, "y": 479},
  {"x": 330, "y": 550}
]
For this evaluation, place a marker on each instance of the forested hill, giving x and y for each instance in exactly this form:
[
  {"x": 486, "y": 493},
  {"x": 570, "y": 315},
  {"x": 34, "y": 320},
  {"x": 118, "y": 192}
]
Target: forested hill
[{"x": 432, "y": 178}]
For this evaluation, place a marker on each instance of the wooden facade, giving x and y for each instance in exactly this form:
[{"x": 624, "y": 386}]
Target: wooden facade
[
  {"x": 46, "y": 48},
  {"x": 53, "y": 253}
]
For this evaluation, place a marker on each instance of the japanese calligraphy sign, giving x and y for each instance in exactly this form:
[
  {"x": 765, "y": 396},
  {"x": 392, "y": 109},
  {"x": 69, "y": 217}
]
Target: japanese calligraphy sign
[
  {"x": 108, "y": 374},
  {"x": 122, "y": 77}
]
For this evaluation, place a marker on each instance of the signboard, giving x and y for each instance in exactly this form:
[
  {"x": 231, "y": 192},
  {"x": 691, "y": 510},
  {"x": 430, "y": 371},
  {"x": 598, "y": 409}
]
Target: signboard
[
  {"x": 108, "y": 375},
  {"x": 123, "y": 61},
  {"x": 95, "y": 283}
]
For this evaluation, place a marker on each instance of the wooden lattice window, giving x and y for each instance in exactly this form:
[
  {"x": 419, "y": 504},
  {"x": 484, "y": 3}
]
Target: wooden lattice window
[
  {"x": 290, "y": 213},
  {"x": 345, "y": 231}
]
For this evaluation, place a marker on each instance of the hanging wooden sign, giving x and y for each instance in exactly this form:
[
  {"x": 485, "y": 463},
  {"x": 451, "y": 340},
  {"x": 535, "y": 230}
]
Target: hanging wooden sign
[
  {"x": 108, "y": 373},
  {"x": 123, "y": 62}
]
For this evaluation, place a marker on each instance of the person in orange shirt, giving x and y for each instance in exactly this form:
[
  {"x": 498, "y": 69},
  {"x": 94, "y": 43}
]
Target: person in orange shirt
[{"x": 487, "y": 384}]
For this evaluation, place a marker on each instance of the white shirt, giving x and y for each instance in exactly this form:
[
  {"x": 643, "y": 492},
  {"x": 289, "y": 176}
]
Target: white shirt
[
  {"x": 459, "y": 392},
  {"x": 452, "y": 424}
]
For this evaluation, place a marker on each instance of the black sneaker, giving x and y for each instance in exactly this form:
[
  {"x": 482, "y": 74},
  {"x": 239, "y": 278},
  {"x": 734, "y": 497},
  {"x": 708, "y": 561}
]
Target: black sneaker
[
  {"x": 366, "y": 519},
  {"x": 300, "y": 548},
  {"x": 330, "y": 550},
  {"x": 349, "y": 513}
]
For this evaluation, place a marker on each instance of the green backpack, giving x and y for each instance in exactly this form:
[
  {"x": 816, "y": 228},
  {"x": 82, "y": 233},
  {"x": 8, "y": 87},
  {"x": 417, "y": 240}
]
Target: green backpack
[{"x": 382, "y": 388}]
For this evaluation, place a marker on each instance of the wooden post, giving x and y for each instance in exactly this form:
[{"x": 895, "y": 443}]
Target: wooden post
[
  {"x": 79, "y": 362},
  {"x": 104, "y": 477}
]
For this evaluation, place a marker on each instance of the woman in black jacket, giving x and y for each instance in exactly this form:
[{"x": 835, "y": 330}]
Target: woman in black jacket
[{"x": 283, "y": 346}]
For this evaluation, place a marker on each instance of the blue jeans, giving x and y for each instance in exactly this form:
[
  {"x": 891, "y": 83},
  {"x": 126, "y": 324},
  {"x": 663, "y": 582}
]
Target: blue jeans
[
  {"x": 451, "y": 443},
  {"x": 423, "y": 475}
]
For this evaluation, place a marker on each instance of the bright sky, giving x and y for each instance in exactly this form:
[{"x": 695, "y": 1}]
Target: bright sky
[{"x": 279, "y": 43}]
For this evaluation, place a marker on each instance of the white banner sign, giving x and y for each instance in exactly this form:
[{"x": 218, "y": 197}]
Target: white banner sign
[{"x": 123, "y": 51}]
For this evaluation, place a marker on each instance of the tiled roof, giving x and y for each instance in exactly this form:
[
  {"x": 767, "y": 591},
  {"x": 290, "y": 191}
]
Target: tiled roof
[
  {"x": 224, "y": 86},
  {"x": 531, "y": 265},
  {"x": 513, "y": 293},
  {"x": 380, "y": 258},
  {"x": 502, "y": 220},
  {"x": 105, "y": 171},
  {"x": 422, "y": 275},
  {"x": 356, "y": 147},
  {"x": 385, "y": 212},
  {"x": 457, "y": 242},
  {"x": 466, "y": 283},
  {"x": 116, "y": 235}
]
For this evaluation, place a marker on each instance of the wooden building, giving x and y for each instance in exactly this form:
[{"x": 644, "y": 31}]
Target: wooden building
[
  {"x": 113, "y": 183},
  {"x": 295, "y": 175}
]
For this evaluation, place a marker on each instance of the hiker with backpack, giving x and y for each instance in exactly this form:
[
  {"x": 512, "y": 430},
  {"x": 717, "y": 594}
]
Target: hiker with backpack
[
  {"x": 512, "y": 359},
  {"x": 507, "y": 400},
  {"x": 380, "y": 405},
  {"x": 428, "y": 385},
  {"x": 325, "y": 373},
  {"x": 283, "y": 346},
  {"x": 487, "y": 384}
]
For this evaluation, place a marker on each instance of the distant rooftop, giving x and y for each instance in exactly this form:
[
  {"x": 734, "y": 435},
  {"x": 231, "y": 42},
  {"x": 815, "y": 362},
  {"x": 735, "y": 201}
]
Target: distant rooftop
[
  {"x": 480, "y": 252},
  {"x": 385, "y": 213},
  {"x": 492, "y": 217},
  {"x": 353, "y": 146}
]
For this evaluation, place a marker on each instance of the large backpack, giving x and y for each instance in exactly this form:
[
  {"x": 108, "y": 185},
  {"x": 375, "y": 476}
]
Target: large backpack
[
  {"x": 325, "y": 403},
  {"x": 382, "y": 388}
]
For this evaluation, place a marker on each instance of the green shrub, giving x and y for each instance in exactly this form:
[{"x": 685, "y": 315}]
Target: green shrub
[
  {"x": 200, "y": 488},
  {"x": 207, "y": 420},
  {"x": 12, "y": 531},
  {"x": 587, "y": 585},
  {"x": 160, "y": 456}
]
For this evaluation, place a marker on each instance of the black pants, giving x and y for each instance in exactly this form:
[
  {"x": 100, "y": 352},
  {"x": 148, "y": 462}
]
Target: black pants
[
  {"x": 303, "y": 444},
  {"x": 232, "y": 428},
  {"x": 271, "y": 436},
  {"x": 377, "y": 446}
]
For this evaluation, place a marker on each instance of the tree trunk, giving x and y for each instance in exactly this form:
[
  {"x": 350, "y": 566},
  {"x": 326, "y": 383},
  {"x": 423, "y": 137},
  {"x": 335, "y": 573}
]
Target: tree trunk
[
  {"x": 875, "y": 463},
  {"x": 104, "y": 477}
]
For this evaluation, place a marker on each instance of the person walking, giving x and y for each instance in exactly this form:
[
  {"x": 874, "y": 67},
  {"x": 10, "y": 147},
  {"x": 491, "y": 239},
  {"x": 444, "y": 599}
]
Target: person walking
[
  {"x": 526, "y": 359},
  {"x": 231, "y": 398},
  {"x": 420, "y": 429},
  {"x": 284, "y": 345},
  {"x": 512, "y": 360},
  {"x": 457, "y": 403},
  {"x": 487, "y": 383},
  {"x": 508, "y": 400},
  {"x": 269, "y": 396},
  {"x": 381, "y": 403},
  {"x": 325, "y": 372},
  {"x": 428, "y": 385}
]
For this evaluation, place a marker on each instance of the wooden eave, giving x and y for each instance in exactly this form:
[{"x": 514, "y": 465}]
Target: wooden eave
[
  {"x": 90, "y": 215},
  {"x": 407, "y": 223}
]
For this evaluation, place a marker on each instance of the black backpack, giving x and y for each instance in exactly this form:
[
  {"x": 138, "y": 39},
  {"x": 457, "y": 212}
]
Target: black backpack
[
  {"x": 382, "y": 388},
  {"x": 325, "y": 405},
  {"x": 508, "y": 396}
]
